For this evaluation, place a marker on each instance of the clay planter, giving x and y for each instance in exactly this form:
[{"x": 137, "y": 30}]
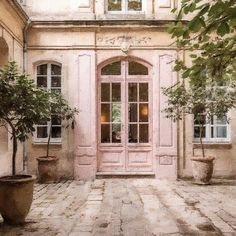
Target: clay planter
[
  {"x": 16, "y": 195},
  {"x": 202, "y": 168},
  {"x": 47, "y": 169}
]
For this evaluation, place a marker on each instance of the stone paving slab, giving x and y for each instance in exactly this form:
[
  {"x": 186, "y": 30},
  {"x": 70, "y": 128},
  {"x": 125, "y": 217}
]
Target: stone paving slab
[{"x": 130, "y": 207}]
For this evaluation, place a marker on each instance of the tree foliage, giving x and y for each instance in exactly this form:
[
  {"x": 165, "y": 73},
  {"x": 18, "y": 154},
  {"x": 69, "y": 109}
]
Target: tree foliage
[
  {"x": 60, "y": 109},
  {"x": 209, "y": 83},
  {"x": 23, "y": 105}
]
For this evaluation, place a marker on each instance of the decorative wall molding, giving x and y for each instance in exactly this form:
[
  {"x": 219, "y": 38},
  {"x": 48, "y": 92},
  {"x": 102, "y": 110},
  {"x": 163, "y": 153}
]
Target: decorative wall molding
[
  {"x": 165, "y": 80},
  {"x": 166, "y": 160},
  {"x": 118, "y": 40},
  {"x": 164, "y": 3}
]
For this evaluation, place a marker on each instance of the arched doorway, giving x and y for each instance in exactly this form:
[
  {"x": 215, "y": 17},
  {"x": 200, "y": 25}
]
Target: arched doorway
[
  {"x": 125, "y": 117},
  {"x": 4, "y": 55}
]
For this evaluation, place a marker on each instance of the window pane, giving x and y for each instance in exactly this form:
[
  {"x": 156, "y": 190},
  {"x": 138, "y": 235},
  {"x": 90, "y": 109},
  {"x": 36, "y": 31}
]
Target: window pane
[
  {"x": 56, "y": 81},
  {"x": 42, "y": 132},
  {"x": 136, "y": 68},
  {"x": 105, "y": 92},
  {"x": 133, "y": 112},
  {"x": 116, "y": 113},
  {"x": 221, "y": 132},
  {"x": 55, "y": 70},
  {"x": 42, "y": 81},
  {"x": 143, "y": 112},
  {"x": 105, "y": 133},
  {"x": 116, "y": 92},
  {"x": 221, "y": 121},
  {"x": 116, "y": 133},
  {"x": 112, "y": 69},
  {"x": 143, "y": 92},
  {"x": 42, "y": 70},
  {"x": 143, "y": 133},
  {"x": 197, "y": 132},
  {"x": 134, "y": 5},
  {"x": 133, "y": 134},
  {"x": 133, "y": 92},
  {"x": 56, "y": 120},
  {"x": 56, "y": 132},
  {"x": 114, "y": 5},
  {"x": 105, "y": 113},
  {"x": 200, "y": 119}
]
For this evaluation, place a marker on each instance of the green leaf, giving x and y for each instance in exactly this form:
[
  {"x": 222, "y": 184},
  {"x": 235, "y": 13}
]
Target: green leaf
[
  {"x": 195, "y": 24},
  {"x": 223, "y": 29}
]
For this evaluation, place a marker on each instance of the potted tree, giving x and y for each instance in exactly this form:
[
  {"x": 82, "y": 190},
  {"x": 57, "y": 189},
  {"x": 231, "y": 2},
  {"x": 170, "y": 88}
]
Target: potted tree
[
  {"x": 47, "y": 165},
  {"x": 21, "y": 107},
  {"x": 207, "y": 89},
  {"x": 204, "y": 100}
]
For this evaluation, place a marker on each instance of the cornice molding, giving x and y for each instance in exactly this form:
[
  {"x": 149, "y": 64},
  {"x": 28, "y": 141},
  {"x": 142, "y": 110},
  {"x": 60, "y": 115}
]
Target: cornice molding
[
  {"x": 19, "y": 10},
  {"x": 103, "y": 24}
]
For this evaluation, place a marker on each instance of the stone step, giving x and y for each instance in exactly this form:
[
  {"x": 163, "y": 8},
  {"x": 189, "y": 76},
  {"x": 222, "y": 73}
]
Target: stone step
[{"x": 125, "y": 175}]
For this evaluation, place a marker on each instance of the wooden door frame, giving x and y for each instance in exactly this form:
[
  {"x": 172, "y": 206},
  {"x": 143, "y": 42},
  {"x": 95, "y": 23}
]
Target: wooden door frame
[{"x": 124, "y": 79}]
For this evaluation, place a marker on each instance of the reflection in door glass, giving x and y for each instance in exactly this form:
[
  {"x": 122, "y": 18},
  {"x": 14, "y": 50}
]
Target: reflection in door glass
[
  {"x": 116, "y": 133},
  {"x": 133, "y": 134},
  {"x": 133, "y": 92},
  {"x": 116, "y": 92},
  {"x": 143, "y": 133},
  {"x": 105, "y": 113},
  {"x": 116, "y": 113},
  {"x": 138, "y": 113},
  {"x": 105, "y": 133},
  {"x": 105, "y": 92},
  {"x": 136, "y": 68},
  {"x": 112, "y": 69},
  {"x": 143, "y": 112},
  {"x": 133, "y": 112},
  {"x": 110, "y": 113},
  {"x": 143, "y": 94}
]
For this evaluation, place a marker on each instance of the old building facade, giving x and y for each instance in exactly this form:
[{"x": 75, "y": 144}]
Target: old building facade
[{"x": 109, "y": 58}]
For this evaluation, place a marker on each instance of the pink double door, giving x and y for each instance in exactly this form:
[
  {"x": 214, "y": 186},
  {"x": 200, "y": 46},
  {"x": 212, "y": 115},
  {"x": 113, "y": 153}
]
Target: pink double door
[{"x": 125, "y": 117}]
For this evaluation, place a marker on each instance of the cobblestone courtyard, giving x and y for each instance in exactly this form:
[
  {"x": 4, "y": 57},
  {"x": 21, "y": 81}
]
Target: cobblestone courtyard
[{"x": 132, "y": 207}]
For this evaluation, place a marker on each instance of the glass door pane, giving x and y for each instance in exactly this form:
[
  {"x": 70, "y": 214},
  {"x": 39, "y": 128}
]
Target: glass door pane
[
  {"x": 110, "y": 113},
  {"x": 138, "y": 113}
]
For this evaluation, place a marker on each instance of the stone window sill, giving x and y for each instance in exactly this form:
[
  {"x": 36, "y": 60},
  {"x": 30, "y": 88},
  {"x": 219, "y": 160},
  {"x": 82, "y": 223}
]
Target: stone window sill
[
  {"x": 45, "y": 144},
  {"x": 213, "y": 145}
]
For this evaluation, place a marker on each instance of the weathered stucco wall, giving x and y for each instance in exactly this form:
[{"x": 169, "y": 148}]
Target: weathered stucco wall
[
  {"x": 73, "y": 45},
  {"x": 11, "y": 48},
  {"x": 95, "y": 10},
  {"x": 80, "y": 51},
  {"x": 56, "y": 36}
]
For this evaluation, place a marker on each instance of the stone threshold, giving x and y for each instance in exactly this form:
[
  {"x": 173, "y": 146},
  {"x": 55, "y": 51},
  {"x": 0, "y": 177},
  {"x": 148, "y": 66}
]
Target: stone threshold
[{"x": 125, "y": 175}]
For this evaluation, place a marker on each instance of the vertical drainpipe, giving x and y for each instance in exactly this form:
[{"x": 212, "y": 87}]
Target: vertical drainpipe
[{"x": 25, "y": 42}]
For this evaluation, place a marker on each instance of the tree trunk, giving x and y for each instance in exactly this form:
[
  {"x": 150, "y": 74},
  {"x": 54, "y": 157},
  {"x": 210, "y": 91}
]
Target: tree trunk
[
  {"x": 49, "y": 138},
  {"x": 14, "y": 144},
  {"x": 202, "y": 146}
]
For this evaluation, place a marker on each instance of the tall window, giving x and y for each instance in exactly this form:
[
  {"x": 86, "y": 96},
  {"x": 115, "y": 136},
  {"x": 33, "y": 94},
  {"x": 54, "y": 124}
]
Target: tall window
[
  {"x": 125, "y": 6},
  {"x": 214, "y": 129},
  {"x": 49, "y": 77}
]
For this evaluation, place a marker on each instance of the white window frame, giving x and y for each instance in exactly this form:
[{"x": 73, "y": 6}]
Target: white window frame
[
  {"x": 49, "y": 79},
  {"x": 208, "y": 126},
  {"x": 124, "y": 8}
]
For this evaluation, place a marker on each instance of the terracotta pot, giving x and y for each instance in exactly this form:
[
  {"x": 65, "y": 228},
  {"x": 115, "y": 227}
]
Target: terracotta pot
[
  {"x": 47, "y": 169},
  {"x": 16, "y": 195},
  {"x": 202, "y": 168}
]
